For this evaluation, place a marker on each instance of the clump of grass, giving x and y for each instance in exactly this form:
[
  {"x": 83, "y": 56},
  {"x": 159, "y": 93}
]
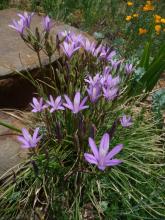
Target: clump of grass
[{"x": 48, "y": 186}]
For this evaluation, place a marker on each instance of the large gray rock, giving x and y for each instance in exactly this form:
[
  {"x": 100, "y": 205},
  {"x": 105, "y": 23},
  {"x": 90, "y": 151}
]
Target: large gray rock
[{"x": 16, "y": 56}]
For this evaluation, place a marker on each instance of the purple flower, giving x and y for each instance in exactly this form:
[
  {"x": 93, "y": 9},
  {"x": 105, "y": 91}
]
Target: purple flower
[
  {"x": 110, "y": 94},
  {"x": 37, "y": 105},
  {"x": 129, "y": 68},
  {"x": 106, "y": 70},
  {"x": 76, "y": 106},
  {"x": 115, "y": 64},
  {"x": 47, "y": 24},
  {"x": 110, "y": 55},
  {"x": 112, "y": 82},
  {"x": 126, "y": 121},
  {"x": 24, "y": 22},
  {"x": 26, "y": 18},
  {"x": 55, "y": 104},
  {"x": 104, "y": 51},
  {"x": 94, "y": 92},
  {"x": 76, "y": 39},
  {"x": 88, "y": 45},
  {"x": 97, "y": 51},
  {"x": 69, "y": 48},
  {"x": 27, "y": 140},
  {"x": 93, "y": 81},
  {"x": 101, "y": 157},
  {"x": 18, "y": 26}
]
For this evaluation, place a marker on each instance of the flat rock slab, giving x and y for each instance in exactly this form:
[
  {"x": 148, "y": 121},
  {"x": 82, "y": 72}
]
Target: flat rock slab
[
  {"x": 14, "y": 53},
  {"x": 11, "y": 153}
]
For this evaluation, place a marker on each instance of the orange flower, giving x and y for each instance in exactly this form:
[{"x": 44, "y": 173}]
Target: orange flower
[
  {"x": 142, "y": 31},
  {"x": 135, "y": 15},
  {"x": 129, "y": 3},
  {"x": 128, "y": 18},
  {"x": 158, "y": 28},
  {"x": 157, "y": 18},
  {"x": 148, "y": 6},
  {"x": 163, "y": 20}
]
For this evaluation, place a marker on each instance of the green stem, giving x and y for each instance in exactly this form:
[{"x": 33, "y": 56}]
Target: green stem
[
  {"x": 39, "y": 58},
  {"x": 10, "y": 126}
]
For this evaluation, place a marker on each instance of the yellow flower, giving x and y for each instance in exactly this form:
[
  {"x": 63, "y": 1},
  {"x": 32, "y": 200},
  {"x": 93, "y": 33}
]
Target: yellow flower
[
  {"x": 135, "y": 15},
  {"x": 158, "y": 28},
  {"x": 142, "y": 31},
  {"x": 128, "y": 18},
  {"x": 163, "y": 20},
  {"x": 129, "y": 3}
]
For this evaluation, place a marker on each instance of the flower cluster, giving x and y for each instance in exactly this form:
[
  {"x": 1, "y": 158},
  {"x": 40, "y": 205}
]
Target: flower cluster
[
  {"x": 97, "y": 88},
  {"x": 105, "y": 84},
  {"x": 23, "y": 23},
  {"x": 159, "y": 23},
  {"x": 73, "y": 43},
  {"x": 57, "y": 103},
  {"x": 148, "y": 6}
]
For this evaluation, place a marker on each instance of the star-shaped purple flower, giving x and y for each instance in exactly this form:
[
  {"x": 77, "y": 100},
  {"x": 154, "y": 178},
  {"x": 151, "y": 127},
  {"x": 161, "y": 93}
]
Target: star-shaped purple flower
[
  {"x": 76, "y": 105},
  {"x": 27, "y": 140},
  {"x": 126, "y": 121},
  {"x": 55, "y": 104},
  {"x": 37, "y": 105},
  {"x": 18, "y": 26},
  {"x": 101, "y": 157},
  {"x": 69, "y": 48},
  {"x": 110, "y": 94}
]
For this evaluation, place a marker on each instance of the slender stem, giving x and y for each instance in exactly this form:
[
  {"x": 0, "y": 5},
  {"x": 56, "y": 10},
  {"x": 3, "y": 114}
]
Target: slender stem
[{"x": 39, "y": 58}]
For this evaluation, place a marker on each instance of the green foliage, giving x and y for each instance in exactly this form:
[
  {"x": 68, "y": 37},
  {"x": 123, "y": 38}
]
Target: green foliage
[
  {"x": 158, "y": 106},
  {"x": 4, "y": 4},
  {"x": 55, "y": 191},
  {"x": 150, "y": 70}
]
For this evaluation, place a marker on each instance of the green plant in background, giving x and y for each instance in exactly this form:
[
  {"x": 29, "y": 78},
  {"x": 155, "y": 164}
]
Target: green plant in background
[
  {"x": 80, "y": 130},
  {"x": 4, "y": 4},
  {"x": 150, "y": 68},
  {"x": 158, "y": 106}
]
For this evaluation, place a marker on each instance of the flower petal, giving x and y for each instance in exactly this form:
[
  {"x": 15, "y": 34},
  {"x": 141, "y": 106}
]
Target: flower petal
[
  {"x": 26, "y": 134},
  {"x": 69, "y": 103},
  {"x": 104, "y": 145},
  {"x": 90, "y": 158},
  {"x": 35, "y": 133},
  {"x": 114, "y": 151},
  {"x": 83, "y": 101},
  {"x": 77, "y": 102},
  {"x": 113, "y": 162},
  {"x": 23, "y": 141},
  {"x": 93, "y": 148}
]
